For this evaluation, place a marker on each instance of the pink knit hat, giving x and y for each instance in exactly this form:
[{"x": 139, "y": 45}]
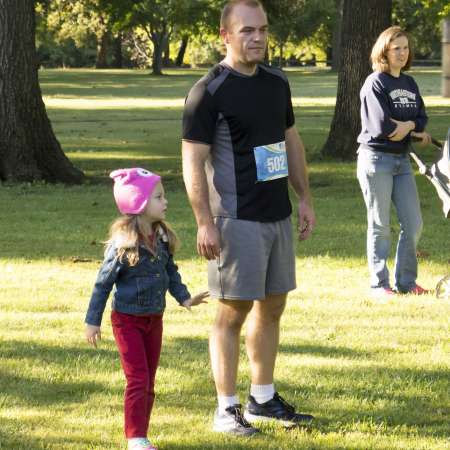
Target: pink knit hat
[{"x": 132, "y": 188}]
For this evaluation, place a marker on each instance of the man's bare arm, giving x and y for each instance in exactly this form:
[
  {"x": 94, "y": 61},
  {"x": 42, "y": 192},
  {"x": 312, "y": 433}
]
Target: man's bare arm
[
  {"x": 298, "y": 177},
  {"x": 195, "y": 155}
]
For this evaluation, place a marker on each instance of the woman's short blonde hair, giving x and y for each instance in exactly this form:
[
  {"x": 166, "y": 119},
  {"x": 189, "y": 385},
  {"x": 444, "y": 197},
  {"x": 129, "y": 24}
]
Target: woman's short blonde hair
[{"x": 378, "y": 56}]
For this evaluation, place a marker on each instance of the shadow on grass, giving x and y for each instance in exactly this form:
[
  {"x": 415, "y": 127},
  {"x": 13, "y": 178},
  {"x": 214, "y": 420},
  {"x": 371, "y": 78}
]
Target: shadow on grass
[
  {"x": 54, "y": 367},
  {"x": 378, "y": 395},
  {"x": 373, "y": 398},
  {"x": 399, "y": 401},
  {"x": 121, "y": 83},
  {"x": 19, "y": 436},
  {"x": 329, "y": 351},
  {"x": 68, "y": 214}
]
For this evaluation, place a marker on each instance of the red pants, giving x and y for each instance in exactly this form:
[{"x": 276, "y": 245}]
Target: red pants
[{"x": 138, "y": 339}]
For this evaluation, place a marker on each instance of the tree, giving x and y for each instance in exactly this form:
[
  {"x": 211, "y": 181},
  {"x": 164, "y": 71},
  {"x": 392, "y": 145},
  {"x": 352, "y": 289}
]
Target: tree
[
  {"x": 336, "y": 36},
  {"x": 182, "y": 50},
  {"x": 159, "y": 19},
  {"x": 362, "y": 22},
  {"x": 421, "y": 19},
  {"x": 297, "y": 20},
  {"x": 29, "y": 150},
  {"x": 85, "y": 20}
]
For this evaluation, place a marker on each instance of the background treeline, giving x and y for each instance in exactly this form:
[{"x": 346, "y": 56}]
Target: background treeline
[{"x": 183, "y": 33}]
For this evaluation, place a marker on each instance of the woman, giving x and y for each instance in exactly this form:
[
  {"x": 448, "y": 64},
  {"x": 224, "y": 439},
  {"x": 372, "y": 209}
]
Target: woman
[{"x": 392, "y": 111}]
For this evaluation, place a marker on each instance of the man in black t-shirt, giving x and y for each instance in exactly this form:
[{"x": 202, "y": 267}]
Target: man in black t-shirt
[{"x": 240, "y": 148}]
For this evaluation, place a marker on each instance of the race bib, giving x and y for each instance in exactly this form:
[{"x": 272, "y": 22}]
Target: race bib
[{"x": 271, "y": 161}]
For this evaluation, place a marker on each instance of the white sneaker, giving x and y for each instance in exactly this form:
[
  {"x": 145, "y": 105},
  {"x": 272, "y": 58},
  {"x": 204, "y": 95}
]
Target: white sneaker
[
  {"x": 232, "y": 422},
  {"x": 140, "y": 444}
]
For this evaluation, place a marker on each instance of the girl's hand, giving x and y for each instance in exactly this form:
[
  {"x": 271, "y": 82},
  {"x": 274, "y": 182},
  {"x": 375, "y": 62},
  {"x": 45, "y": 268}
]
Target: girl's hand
[
  {"x": 196, "y": 300},
  {"x": 402, "y": 130},
  {"x": 425, "y": 138},
  {"x": 92, "y": 334}
]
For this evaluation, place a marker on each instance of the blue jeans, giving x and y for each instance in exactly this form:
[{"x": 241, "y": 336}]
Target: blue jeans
[{"x": 385, "y": 177}]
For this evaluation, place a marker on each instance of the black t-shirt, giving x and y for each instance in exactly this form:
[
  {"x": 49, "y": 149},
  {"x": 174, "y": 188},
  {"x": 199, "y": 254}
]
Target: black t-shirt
[{"x": 234, "y": 113}]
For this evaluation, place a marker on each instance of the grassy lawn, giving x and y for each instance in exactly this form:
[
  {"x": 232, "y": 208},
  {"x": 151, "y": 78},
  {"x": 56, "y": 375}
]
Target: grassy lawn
[{"x": 376, "y": 375}]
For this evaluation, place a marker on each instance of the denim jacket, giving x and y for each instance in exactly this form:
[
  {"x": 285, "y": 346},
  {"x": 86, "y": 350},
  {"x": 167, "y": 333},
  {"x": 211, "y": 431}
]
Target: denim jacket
[{"x": 139, "y": 289}]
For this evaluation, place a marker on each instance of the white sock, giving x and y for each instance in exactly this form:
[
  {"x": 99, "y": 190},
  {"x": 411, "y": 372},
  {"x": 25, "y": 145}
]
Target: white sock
[
  {"x": 226, "y": 401},
  {"x": 262, "y": 393}
]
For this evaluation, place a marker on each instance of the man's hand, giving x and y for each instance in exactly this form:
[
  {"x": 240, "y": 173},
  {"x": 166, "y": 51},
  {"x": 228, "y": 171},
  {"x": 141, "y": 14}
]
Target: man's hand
[
  {"x": 306, "y": 220},
  {"x": 208, "y": 241},
  {"x": 92, "y": 334},
  {"x": 425, "y": 138},
  {"x": 196, "y": 300},
  {"x": 402, "y": 130}
]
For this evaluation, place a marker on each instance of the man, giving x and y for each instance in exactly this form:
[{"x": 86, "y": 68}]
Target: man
[{"x": 238, "y": 140}]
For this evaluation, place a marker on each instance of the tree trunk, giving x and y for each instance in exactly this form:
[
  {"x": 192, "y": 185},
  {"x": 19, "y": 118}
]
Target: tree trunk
[
  {"x": 166, "y": 52},
  {"x": 29, "y": 150},
  {"x": 182, "y": 50},
  {"x": 281, "y": 57},
  {"x": 101, "y": 61},
  {"x": 362, "y": 22},
  {"x": 158, "y": 46},
  {"x": 117, "y": 52},
  {"x": 446, "y": 58},
  {"x": 336, "y": 38}
]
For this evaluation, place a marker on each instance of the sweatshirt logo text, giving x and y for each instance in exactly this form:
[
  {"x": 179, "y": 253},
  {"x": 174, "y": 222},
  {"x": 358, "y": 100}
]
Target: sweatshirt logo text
[{"x": 403, "y": 98}]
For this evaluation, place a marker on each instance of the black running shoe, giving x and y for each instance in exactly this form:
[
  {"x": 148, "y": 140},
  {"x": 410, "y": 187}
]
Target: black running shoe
[
  {"x": 232, "y": 422},
  {"x": 275, "y": 409}
]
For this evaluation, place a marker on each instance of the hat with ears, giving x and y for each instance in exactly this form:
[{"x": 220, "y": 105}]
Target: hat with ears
[{"x": 132, "y": 188}]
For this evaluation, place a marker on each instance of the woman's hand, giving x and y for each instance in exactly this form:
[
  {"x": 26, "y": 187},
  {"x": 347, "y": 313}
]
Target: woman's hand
[
  {"x": 196, "y": 300},
  {"x": 92, "y": 334},
  {"x": 425, "y": 138},
  {"x": 402, "y": 130}
]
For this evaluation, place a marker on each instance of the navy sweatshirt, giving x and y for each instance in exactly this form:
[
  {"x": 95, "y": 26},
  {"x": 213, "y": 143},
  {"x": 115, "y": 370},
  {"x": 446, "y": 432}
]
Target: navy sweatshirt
[{"x": 383, "y": 97}]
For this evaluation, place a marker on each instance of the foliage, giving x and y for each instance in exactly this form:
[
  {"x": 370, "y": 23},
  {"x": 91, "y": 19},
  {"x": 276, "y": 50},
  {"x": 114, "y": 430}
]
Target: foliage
[
  {"x": 421, "y": 19},
  {"x": 73, "y": 31},
  {"x": 55, "y": 51},
  {"x": 160, "y": 19},
  {"x": 68, "y": 31},
  {"x": 308, "y": 22},
  {"x": 78, "y": 20}
]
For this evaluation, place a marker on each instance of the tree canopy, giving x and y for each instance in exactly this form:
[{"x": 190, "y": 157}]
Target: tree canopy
[{"x": 148, "y": 32}]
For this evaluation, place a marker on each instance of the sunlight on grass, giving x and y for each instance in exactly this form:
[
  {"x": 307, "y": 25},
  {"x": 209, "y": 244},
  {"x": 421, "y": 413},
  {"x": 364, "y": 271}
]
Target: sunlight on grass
[{"x": 156, "y": 103}]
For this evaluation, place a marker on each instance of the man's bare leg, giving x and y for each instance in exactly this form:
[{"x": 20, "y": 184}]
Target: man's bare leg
[
  {"x": 224, "y": 343},
  {"x": 224, "y": 349},
  {"x": 262, "y": 338},
  {"x": 263, "y": 335}
]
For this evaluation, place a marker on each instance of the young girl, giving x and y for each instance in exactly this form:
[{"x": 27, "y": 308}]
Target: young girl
[{"x": 139, "y": 262}]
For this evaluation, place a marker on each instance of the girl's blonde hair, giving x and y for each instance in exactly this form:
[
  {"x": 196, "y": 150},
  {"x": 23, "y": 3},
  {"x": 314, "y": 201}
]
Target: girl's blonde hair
[
  {"x": 378, "y": 56},
  {"x": 129, "y": 231}
]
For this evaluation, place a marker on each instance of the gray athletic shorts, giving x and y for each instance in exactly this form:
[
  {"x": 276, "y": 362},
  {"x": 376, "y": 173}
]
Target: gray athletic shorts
[{"x": 257, "y": 259}]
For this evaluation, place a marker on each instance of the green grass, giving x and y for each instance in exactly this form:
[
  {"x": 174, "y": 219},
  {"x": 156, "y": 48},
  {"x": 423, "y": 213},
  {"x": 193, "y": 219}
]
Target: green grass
[{"x": 376, "y": 375}]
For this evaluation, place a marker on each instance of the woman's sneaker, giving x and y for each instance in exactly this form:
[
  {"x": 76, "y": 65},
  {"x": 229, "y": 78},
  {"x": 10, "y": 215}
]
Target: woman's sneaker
[
  {"x": 140, "y": 444},
  {"x": 275, "y": 409},
  {"x": 232, "y": 421},
  {"x": 382, "y": 293},
  {"x": 418, "y": 290}
]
